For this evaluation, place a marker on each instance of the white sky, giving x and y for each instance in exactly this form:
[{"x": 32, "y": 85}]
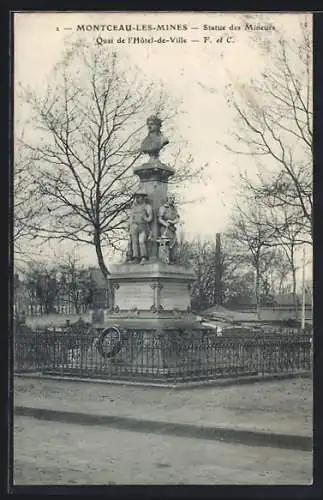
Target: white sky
[{"x": 194, "y": 72}]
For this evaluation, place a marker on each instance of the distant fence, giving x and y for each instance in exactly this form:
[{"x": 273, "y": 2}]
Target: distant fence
[
  {"x": 170, "y": 356},
  {"x": 63, "y": 309}
]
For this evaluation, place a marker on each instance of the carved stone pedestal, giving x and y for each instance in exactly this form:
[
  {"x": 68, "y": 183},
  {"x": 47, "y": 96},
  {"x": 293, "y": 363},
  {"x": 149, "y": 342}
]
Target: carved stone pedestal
[
  {"x": 152, "y": 313},
  {"x": 151, "y": 288}
]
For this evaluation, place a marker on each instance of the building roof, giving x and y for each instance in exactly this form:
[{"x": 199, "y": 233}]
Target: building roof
[
  {"x": 287, "y": 299},
  {"x": 221, "y": 313}
]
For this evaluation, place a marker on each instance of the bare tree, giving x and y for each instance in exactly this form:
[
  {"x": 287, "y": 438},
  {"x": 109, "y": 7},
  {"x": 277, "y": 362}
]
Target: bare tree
[
  {"x": 87, "y": 131},
  {"x": 252, "y": 239},
  {"x": 26, "y": 204},
  {"x": 220, "y": 276},
  {"x": 75, "y": 283},
  {"x": 274, "y": 127},
  {"x": 288, "y": 237},
  {"x": 279, "y": 273},
  {"x": 42, "y": 285}
]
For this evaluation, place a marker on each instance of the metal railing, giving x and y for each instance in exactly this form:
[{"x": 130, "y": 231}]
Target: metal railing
[{"x": 178, "y": 356}]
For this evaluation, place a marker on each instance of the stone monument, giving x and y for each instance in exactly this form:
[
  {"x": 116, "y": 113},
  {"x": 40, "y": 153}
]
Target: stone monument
[{"x": 152, "y": 288}]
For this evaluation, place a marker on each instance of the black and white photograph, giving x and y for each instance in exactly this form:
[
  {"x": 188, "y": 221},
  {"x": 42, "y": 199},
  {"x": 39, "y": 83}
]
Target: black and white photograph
[{"x": 162, "y": 236}]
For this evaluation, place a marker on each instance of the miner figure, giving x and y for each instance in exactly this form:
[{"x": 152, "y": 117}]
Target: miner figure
[
  {"x": 139, "y": 228},
  {"x": 168, "y": 218}
]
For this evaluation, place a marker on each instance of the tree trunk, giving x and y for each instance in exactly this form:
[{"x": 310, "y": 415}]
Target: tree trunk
[
  {"x": 293, "y": 269},
  {"x": 280, "y": 287},
  {"x": 77, "y": 307},
  {"x": 104, "y": 269}
]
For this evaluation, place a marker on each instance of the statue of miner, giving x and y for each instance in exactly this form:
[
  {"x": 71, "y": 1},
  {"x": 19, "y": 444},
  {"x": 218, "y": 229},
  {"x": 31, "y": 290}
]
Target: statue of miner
[
  {"x": 168, "y": 218},
  {"x": 139, "y": 230}
]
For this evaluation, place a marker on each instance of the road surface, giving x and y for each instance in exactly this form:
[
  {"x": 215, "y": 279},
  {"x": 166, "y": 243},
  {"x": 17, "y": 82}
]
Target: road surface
[{"x": 60, "y": 453}]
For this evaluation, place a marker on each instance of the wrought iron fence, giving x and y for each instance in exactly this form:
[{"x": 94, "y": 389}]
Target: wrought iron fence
[{"x": 148, "y": 354}]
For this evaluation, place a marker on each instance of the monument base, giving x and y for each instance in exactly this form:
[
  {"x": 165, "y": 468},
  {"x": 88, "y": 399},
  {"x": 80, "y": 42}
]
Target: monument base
[
  {"x": 151, "y": 333},
  {"x": 151, "y": 325},
  {"x": 154, "y": 287},
  {"x": 158, "y": 346}
]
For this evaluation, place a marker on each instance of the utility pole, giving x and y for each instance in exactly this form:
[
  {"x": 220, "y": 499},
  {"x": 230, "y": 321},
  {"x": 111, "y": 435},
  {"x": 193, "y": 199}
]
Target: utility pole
[
  {"x": 218, "y": 270},
  {"x": 303, "y": 292}
]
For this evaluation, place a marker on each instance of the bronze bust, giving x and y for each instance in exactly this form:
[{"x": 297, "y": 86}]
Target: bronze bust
[{"x": 155, "y": 140}]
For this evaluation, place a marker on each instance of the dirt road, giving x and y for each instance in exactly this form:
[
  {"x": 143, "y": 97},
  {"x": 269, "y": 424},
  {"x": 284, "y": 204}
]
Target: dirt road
[{"x": 57, "y": 453}]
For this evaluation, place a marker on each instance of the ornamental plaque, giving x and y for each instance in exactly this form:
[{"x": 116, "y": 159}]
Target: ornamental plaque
[{"x": 109, "y": 343}]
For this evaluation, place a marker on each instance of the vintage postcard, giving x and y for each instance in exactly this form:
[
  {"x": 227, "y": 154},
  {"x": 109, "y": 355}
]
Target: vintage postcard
[{"x": 162, "y": 242}]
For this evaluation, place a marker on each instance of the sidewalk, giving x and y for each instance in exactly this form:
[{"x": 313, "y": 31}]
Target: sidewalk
[{"x": 281, "y": 408}]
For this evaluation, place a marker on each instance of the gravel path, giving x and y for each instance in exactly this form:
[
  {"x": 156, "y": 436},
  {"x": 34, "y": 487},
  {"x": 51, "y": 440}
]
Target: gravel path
[{"x": 57, "y": 453}]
